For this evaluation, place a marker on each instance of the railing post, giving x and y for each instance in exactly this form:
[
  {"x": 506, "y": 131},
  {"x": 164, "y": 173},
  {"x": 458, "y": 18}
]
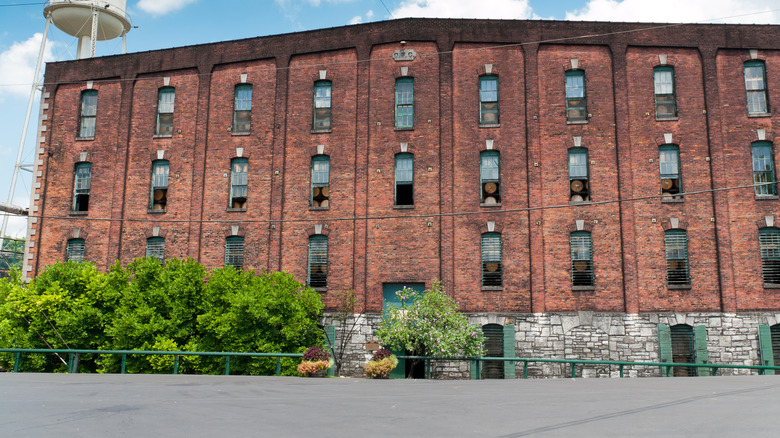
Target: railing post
[
  {"x": 525, "y": 369},
  {"x": 621, "y": 370},
  {"x": 227, "y": 365},
  {"x": 76, "y": 359},
  {"x": 278, "y": 366},
  {"x": 17, "y": 360},
  {"x": 175, "y": 364},
  {"x": 573, "y": 370},
  {"x": 714, "y": 371},
  {"x": 70, "y": 361},
  {"x": 427, "y": 368},
  {"x": 124, "y": 362}
]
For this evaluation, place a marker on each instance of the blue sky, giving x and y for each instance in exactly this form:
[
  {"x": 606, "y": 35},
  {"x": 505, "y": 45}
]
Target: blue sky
[{"x": 173, "y": 23}]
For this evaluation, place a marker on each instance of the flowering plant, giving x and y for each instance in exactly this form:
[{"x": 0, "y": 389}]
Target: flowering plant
[
  {"x": 381, "y": 364},
  {"x": 314, "y": 359}
]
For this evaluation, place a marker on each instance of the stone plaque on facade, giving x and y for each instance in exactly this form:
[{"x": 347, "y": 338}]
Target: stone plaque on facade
[{"x": 404, "y": 55}]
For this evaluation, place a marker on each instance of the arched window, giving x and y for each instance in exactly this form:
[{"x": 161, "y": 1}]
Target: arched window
[
  {"x": 492, "y": 267},
  {"x": 242, "y": 110},
  {"x": 318, "y": 261}
]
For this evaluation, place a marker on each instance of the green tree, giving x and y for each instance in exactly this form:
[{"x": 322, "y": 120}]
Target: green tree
[
  {"x": 11, "y": 254},
  {"x": 430, "y": 325}
]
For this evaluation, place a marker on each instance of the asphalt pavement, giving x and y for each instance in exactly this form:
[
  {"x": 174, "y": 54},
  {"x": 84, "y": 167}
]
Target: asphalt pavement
[{"x": 93, "y": 405}]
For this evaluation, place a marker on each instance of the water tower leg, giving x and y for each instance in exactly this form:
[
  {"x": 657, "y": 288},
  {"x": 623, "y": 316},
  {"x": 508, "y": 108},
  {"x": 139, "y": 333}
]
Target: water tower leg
[
  {"x": 18, "y": 165},
  {"x": 95, "y": 17},
  {"x": 124, "y": 42}
]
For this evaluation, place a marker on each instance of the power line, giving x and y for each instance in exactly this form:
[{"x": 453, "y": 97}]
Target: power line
[{"x": 387, "y": 9}]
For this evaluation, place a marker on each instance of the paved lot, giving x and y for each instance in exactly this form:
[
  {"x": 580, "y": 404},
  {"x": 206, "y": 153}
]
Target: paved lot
[{"x": 46, "y": 405}]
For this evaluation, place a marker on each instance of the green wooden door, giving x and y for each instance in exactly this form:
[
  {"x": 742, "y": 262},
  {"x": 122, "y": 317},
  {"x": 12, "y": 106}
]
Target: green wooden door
[
  {"x": 765, "y": 344},
  {"x": 664, "y": 347},
  {"x": 390, "y": 299}
]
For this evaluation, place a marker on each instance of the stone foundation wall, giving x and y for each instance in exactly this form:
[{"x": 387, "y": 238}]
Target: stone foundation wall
[{"x": 731, "y": 339}]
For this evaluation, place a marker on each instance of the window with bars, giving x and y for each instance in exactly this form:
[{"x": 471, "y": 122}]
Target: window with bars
[
  {"x": 755, "y": 88},
  {"x": 683, "y": 349},
  {"x": 242, "y": 110},
  {"x": 404, "y": 179},
  {"x": 494, "y": 347},
  {"x": 490, "y": 177},
  {"x": 239, "y": 180},
  {"x": 318, "y": 262},
  {"x": 769, "y": 245},
  {"x": 81, "y": 186},
  {"x": 492, "y": 267},
  {"x": 88, "y": 115},
  {"x": 488, "y": 99},
  {"x": 155, "y": 247},
  {"x": 763, "y": 168},
  {"x": 234, "y": 252},
  {"x": 404, "y": 103},
  {"x": 320, "y": 181},
  {"x": 579, "y": 180},
  {"x": 165, "y": 100},
  {"x": 160, "y": 169},
  {"x": 322, "y": 106},
  {"x": 669, "y": 166},
  {"x": 665, "y": 100},
  {"x": 581, "y": 259},
  {"x": 75, "y": 250},
  {"x": 576, "y": 104},
  {"x": 677, "y": 271},
  {"x": 774, "y": 336}
]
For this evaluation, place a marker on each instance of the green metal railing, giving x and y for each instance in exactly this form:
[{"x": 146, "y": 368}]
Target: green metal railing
[
  {"x": 73, "y": 356},
  {"x": 664, "y": 367}
]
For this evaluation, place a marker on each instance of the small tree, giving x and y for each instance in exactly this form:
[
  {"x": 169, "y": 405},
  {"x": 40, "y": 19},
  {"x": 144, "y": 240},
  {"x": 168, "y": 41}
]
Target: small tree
[
  {"x": 346, "y": 310},
  {"x": 430, "y": 325}
]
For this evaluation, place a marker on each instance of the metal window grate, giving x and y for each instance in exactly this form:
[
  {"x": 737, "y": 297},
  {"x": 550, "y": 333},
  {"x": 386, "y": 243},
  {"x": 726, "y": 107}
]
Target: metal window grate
[
  {"x": 318, "y": 261},
  {"x": 683, "y": 349},
  {"x": 775, "y": 336},
  {"x": 769, "y": 244},
  {"x": 763, "y": 168},
  {"x": 676, "y": 242},
  {"x": 234, "y": 252},
  {"x": 581, "y": 259},
  {"x": 155, "y": 247},
  {"x": 75, "y": 250},
  {"x": 492, "y": 269},
  {"x": 494, "y": 347}
]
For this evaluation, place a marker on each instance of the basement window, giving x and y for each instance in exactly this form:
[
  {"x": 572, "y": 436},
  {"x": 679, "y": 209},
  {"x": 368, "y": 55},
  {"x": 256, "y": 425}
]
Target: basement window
[
  {"x": 239, "y": 179},
  {"x": 404, "y": 179},
  {"x": 165, "y": 101},
  {"x": 490, "y": 177},
  {"x": 322, "y": 106},
  {"x": 81, "y": 186},
  {"x": 242, "y": 110},
  {"x": 320, "y": 181},
  {"x": 160, "y": 169},
  {"x": 669, "y": 166},
  {"x": 318, "y": 262},
  {"x": 576, "y": 107},
  {"x": 579, "y": 184},
  {"x": 88, "y": 114}
]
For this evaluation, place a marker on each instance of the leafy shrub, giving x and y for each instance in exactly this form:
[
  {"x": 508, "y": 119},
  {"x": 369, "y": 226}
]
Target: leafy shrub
[
  {"x": 308, "y": 367},
  {"x": 380, "y": 354},
  {"x": 380, "y": 369},
  {"x": 315, "y": 354}
]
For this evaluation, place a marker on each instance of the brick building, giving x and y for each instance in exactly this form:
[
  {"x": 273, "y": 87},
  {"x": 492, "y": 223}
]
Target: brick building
[{"x": 588, "y": 190}]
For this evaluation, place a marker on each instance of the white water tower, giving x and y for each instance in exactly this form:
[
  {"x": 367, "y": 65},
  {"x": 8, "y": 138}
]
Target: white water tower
[{"x": 89, "y": 21}]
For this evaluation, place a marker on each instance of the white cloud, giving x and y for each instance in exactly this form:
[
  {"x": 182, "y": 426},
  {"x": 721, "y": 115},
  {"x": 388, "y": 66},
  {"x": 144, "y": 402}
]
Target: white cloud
[
  {"x": 501, "y": 9},
  {"x": 17, "y": 66},
  {"x": 162, "y": 7},
  {"x": 676, "y": 11},
  {"x": 360, "y": 19}
]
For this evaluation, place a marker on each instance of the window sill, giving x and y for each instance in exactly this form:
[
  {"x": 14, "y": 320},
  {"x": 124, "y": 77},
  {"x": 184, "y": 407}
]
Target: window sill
[
  {"x": 411, "y": 128},
  {"x": 321, "y": 131},
  {"x": 162, "y": 136},
  {"x": 760, "y": 115},
  {"x": 766, "y": 197},
  {"x": 497, "y": 204},
  {"x": 85, "y": 138},
  {"x": 403, "y": 207},
  {"x": 235, "y": 210},
  {"x": 666, "y": 118},
  {"x": 678, "y": 286},
  {"x": 240, "y": 134},
  {"x": 319, "y": 208},
  {"x": 576, "y": 122},
  {"x": 492, "y": 288},
  {"x": 581, "y": 203},
  {"x": 583, "y": 288},
  {"x": 489, "y": 125},
  {"x": 675, "y": 200},
  {"x": 152, "y": 211},
  {"x": 320, "y": 289},
  {"x": 771, "y": 286},
  {"x": 78, "y": 213}
]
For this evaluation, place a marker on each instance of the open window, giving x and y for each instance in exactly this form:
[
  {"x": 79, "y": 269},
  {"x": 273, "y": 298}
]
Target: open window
[
  {"x": 318, "y": 261},
  {"x": 242, "y": 110},
  {"x": 160, "y": 169},
  {"x": 88, "y": 114},
  {"x": 488, "y": 100},
  {"x": 492, "y": 266},
  {"x": 81, "y": 186},
  {"x": 239, "y": 180},
  {"x": 490, "y": 177},
  {"x": 322, "y": 106},
  {"x": 404, "y": 179},
  {"x": 165, "y": 104},
  {"x": 320, "y": 181},
  {"x": 576, "y": 106},
  {"x": 579, "y": 184},
  {"x": 669, "y": 166}
]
